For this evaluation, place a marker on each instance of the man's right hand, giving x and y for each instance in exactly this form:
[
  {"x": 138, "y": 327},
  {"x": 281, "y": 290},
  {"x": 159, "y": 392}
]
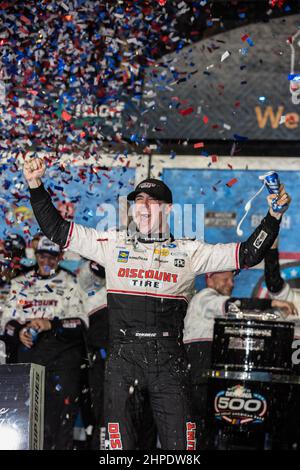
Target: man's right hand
[
  {"x": 287, "y": 308},
  {"x": 25, "y": 338},
  {"x": 34, "y": 169}
]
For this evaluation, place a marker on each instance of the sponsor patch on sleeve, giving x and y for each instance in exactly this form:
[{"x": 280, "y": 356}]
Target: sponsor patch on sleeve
[{"x": 260, "y": 239}]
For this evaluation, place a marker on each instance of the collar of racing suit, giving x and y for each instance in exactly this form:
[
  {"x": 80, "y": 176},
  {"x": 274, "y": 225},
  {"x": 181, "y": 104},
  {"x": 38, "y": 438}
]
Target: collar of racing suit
[{"x": 159, "y": 238}]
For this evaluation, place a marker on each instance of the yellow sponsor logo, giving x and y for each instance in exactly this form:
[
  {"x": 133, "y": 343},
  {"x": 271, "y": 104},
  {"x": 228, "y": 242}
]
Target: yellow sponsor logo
[
  {"x": 123, "y": 256},
  {"x": 161, "y": 252}
]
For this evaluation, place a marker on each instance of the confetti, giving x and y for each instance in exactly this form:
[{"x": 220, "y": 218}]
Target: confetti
[
  {"x": 231, "y": 182},
  {"x": 187, "y": 111},
  {"x": 225, "y": 55},
  {"x": 66, "y": 116}
]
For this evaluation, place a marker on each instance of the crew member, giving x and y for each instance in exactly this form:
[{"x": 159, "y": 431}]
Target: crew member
[
  {"x": 212, "y": 302},
  {"x": 43, "y": 324}
]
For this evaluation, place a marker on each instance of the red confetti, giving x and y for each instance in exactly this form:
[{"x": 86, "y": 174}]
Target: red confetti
[
  {"x": 278, "y": 3},
  {"x": 245, "y": 37},
  {"x": 199, "y": 145},
  {"x": 66, "y": 116},
  {"x": 231, "y": 182},
  {"x": 25, "y": 19},
  {"x": 185, "y": 112}
]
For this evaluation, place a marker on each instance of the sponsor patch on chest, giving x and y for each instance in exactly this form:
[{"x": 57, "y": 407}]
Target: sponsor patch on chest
[
  {"x": 179, "y": 263},
  {"x": 153, "y": 274},
  {"x": 123, "y": 256}
]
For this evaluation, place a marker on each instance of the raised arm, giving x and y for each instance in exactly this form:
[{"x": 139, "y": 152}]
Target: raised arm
[
  {"x": 52, "y": 224},
  {"x": 230, "y": 256},
  {"x": 86, "y": 241},
  {"x": 253, "y": 250}
]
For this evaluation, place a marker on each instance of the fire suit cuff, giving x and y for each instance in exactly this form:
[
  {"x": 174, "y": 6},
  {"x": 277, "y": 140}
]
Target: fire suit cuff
[{"x": 272, "y": 222}]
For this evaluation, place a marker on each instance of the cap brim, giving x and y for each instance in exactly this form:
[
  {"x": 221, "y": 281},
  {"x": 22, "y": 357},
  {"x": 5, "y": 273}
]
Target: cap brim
[
  {"x": 131, "y": 196},
  {"x": 53, "y": 253}
]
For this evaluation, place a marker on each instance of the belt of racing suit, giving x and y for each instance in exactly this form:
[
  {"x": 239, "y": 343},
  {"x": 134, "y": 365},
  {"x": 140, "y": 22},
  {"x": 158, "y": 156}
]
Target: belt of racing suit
[{"x": 144, "y": 334}]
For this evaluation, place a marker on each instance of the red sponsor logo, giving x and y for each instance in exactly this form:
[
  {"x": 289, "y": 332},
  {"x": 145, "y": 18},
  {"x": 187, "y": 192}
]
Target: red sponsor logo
[
  {"x": 26, "y": 303},
  {"x": 115, "y": 441},
  {"x": 191, "y": 436},
  {"x": 149, "y": 274}
]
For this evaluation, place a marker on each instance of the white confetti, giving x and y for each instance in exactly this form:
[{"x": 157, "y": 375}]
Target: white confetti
[{"x": 225, "y": 56}]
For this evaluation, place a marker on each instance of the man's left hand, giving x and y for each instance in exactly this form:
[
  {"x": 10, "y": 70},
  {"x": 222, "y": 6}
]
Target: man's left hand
[
  {"x": 282, "y": 199},
  {"x": 40, "y": 324}
]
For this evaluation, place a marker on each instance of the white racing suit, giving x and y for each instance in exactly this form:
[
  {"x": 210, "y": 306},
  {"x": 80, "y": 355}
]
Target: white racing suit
[
  {"x": 149, "y": 284},
  {"x": 57, "y": 298}
]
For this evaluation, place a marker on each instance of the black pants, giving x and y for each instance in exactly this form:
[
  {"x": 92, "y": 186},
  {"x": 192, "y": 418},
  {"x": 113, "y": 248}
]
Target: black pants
[
  {"x": 146, "y": 436},
  {"x": 154, "y": 370},
  {"x": 62, "y": 391},
  {"x": 199, "y": 357}
]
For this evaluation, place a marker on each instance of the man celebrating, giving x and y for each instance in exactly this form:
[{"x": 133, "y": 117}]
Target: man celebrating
[{"x": 149, "y": 278}]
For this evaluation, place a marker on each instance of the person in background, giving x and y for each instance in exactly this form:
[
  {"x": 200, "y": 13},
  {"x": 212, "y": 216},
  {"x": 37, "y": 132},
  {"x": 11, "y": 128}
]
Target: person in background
[
  {"x": 91, "y": 278},
  {"x": 212, "y": 302},
  {"x": 13, "y": 252},
  {"x": 43, "y": 322},
  {"x": 279, "y": 289}
]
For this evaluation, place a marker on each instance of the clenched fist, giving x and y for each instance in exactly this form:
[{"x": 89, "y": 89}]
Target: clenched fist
[
  {"x": 282, "y": 198},
  {"x": 33, "y": 170}
]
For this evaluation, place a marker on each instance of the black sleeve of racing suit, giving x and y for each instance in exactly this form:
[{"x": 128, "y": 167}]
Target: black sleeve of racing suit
[
  {"x": 248, "y": 304},
  {"x": 52, "y": 224},
  {"x": 68, "y": 329},
  {"x": 253, "y": 250},
  {"x": 273, "y": 277}
]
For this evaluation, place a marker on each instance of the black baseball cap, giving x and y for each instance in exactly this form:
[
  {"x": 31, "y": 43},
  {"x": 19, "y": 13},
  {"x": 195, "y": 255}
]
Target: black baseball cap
[{"x": 153, "y": 187}]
